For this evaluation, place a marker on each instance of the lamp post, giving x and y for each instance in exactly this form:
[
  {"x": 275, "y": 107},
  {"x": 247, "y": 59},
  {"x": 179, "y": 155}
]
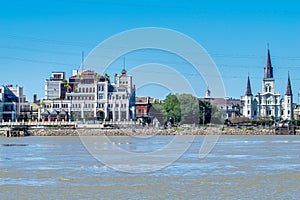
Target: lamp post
[
  {"x": 203, "y": 115},
  {"x": 71, "y": 108}
]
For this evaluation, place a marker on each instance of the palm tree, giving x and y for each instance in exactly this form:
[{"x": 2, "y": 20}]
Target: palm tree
[
  {"x": 116, "y": 75},
  {"x": 107, "y": 77},
  {"x": 68, "y": 86}
]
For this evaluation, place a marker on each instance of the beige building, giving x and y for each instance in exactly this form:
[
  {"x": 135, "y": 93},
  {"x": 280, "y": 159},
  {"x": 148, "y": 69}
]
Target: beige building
[{"x": 94, "y": 96}]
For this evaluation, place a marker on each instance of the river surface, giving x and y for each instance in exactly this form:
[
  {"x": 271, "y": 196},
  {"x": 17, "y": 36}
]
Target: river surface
[{"x": 238, "y": 167}]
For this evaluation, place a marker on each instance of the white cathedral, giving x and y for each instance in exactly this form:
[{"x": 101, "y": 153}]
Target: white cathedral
[{"x": 268, "y": 103}]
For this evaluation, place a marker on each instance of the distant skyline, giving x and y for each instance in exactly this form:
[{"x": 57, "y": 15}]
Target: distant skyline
[{"x": 38, "y": 37}]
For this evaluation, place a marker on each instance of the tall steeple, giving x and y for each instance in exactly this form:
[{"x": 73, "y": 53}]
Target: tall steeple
[
  {"x": 268, "y": 70},
  {"x": 248, "y": 89},
  {"x": 288, "y": 87}
]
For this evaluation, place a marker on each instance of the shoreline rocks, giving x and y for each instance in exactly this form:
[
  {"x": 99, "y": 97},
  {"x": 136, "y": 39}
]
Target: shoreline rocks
[{"x": 150, "y": 132}]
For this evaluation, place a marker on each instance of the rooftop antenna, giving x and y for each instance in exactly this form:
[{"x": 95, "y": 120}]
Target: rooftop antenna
[
  {"x": 82, "y": 60},
  {"x": 124, "y": 63},
  {"x": 268, "y": 45}
]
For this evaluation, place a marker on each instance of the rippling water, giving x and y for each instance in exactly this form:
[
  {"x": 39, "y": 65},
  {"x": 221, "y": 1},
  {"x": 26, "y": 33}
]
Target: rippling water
[{"x": 239, "y": 167}]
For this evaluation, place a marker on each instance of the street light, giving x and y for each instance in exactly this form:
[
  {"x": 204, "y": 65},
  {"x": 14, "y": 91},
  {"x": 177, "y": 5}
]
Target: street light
[{"x": 203, "y": 115}]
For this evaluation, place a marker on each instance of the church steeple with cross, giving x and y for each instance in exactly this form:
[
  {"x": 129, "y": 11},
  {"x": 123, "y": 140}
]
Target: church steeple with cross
[{"x": 268, "y": 70}]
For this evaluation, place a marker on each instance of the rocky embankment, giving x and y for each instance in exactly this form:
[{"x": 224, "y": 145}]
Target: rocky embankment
[{"x": 150, "y": 131}]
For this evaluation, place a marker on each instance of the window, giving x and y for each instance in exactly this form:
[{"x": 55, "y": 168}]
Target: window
[
  {"x": 101, "y": 88},
  {"x": 248, "y": 112},
  {"x": 254, "y": 112}
]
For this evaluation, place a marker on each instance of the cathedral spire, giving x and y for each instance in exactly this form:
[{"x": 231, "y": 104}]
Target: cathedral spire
[
  {"x": 268, "y": 70},
  {"x": 288, "y": 87},
  {"x": 248, "y": 89}
]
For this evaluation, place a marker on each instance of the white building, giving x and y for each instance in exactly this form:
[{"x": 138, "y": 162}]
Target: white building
[
  {"x": 92, "y": 96},
  {"x": 12, "y": 102},
  {"x": 268, "y": 103},
  {"x": 55, "y": 86}
]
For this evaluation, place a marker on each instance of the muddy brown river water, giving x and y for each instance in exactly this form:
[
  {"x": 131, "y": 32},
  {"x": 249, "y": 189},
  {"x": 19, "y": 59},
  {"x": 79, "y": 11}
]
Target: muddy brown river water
[{"x": 238, "y": 167}]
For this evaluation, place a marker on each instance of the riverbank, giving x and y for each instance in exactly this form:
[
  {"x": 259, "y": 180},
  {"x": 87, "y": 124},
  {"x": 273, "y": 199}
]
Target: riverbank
[
  {"x": 148, "y": 131},
  {"x": 151, "y": 131}
]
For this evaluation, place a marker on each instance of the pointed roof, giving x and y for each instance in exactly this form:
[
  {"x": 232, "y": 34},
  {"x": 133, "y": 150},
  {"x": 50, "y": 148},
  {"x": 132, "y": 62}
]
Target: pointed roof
[
  {"x": 248, "y": 89},
  {"x": 54, "y": 112},
  {"x": 288, "y": 88},
  {"x": 268, "y": 70},
  {"x": 45, "y": 112},
  {"x": 62, "y": 112}
]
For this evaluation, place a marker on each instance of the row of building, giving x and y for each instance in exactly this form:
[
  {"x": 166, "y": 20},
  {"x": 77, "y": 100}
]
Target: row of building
[{"x": 90, "y": 96}]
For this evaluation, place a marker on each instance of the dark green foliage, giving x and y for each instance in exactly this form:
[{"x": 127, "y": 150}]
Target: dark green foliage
[{"x": 187, "y": 109}]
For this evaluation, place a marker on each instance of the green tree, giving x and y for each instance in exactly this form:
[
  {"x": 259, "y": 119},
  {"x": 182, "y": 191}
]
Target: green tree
[
  {"x": 189, "y": 109},
  {"x": 171, "y": 107},
  {"x": 107, "y": 77},
  {"x": 204, "y": 111}
]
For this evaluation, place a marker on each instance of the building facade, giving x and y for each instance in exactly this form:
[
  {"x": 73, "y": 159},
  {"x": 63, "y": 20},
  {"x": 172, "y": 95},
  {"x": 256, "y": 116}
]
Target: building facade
[
  {"x": 145, "y": 112},
  {"x": 12, "y": 103},
  {"x": 228, "y": 107},
  {"x": 55, "y": 87},
  {"x": 93, "y": 96},
  {"x": 268, "y": 103}
]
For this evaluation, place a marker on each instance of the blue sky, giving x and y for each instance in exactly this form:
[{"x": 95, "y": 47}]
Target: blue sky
[{"x": 38, "y": 37}]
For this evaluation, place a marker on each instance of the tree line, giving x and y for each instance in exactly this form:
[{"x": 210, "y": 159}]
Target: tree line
[{"x": 186, "y": 109}]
